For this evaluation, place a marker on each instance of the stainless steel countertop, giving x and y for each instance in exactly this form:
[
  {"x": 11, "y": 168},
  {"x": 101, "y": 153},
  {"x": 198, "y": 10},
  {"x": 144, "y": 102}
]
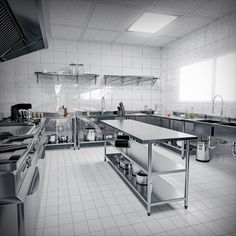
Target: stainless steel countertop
[{"x": 145, "y": 133}]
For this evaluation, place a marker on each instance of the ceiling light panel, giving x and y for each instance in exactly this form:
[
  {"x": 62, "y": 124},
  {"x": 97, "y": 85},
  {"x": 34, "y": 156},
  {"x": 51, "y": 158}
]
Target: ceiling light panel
[
  {"x": 151, "y": 22},
  {"x": 134, "y": 38},
  {"x": 112, "y": 17}
]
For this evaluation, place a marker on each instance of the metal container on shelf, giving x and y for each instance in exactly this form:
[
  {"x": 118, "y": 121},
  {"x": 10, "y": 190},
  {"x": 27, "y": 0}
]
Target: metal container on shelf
[
  {"x": 135, "y": 169},
  {"x": 141, "y": 178},
  {"x": 124, "y": 163},
  {"x": 202, "y": 151},
  {"x": 90, "y": 134},
  {"x": 117, "y": 158}
]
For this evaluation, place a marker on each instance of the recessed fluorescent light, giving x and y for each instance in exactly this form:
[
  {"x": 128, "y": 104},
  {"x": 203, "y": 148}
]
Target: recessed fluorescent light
[{"x": 151, "y": 22}]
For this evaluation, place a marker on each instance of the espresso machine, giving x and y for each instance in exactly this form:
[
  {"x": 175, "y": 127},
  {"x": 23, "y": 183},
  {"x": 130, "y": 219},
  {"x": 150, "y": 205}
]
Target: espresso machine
[{"x": 21, "y": 112}]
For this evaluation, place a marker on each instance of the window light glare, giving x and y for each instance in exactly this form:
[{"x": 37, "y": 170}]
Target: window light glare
[{"x": 151, "y": 22}]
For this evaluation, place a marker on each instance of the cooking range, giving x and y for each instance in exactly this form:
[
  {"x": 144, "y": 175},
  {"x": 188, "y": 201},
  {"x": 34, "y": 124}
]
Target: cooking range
[{"x": 22, "y": 168}]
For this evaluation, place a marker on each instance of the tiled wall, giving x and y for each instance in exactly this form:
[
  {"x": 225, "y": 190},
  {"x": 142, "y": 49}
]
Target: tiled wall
[
  {"x": 217, "y": 38},
  {"x": 18, "y": 82}
]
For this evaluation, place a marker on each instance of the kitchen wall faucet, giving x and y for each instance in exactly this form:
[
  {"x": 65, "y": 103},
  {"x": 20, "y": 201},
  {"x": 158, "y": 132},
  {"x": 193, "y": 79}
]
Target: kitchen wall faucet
[{"x": 222, "y": 105}]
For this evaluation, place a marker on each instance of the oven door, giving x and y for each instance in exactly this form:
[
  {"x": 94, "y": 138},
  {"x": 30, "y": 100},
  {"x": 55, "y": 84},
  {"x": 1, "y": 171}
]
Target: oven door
[{"x": 33, "y": 199}]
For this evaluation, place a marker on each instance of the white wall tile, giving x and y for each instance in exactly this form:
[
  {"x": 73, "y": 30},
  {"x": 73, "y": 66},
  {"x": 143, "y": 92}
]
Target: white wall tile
[
  {"x": 83, "y": 47},
  {"x": 95, "y": 48},
  {"x": 59, "y": 57},
  {"x": 59, "y": 45},
  {"x": 21, "y": 68},
  {"x": 97, "y": 58},
  {"x": 212, "y": 40},
  {"x": 127, "y": 51}
]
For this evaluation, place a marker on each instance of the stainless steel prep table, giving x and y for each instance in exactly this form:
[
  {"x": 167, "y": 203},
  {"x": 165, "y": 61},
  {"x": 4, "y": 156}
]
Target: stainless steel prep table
[{"x": 143, "y": 137}]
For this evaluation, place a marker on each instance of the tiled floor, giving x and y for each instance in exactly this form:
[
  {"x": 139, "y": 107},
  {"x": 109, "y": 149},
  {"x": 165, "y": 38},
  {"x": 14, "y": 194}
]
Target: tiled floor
[{"x": 83, "y": 195}]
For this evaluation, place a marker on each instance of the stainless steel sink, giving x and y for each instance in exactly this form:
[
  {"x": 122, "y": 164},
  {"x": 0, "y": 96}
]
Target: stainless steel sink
[
  {"x": 218, "y": 122},
  {"x": 210, "y": 121}
]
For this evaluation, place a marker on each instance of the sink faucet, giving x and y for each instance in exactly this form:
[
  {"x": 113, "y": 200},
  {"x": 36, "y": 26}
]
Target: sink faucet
[
  {"x": 103, "y": 104},
  {"x": 222, "y": 104}
]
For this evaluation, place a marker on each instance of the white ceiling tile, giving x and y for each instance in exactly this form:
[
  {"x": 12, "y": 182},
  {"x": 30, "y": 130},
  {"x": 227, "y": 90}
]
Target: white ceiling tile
[
  {"x": 134, "y": 38},
  {"x": 73, "y": 12},
  {"x": 115, "y": 18},
  {"x": 183, "y": 26},
  {"x": 216, "y": 8},
  {"x": 99, "y": 35},
  {"x": 65, "y": 32},
  {"x": 177, "y": 6},
  {"x": 159, "y": 41}
]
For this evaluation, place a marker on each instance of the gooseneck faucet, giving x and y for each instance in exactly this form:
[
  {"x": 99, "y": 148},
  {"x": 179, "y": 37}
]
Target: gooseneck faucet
[
  {"x": 103, "y": 104},
  {"x": 222, "y": 104}
]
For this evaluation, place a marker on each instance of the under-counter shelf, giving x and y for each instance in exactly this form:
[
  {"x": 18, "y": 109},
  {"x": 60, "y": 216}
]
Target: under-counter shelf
[
  {"x": 129, "y": 79},
  {"x": 83, "y": 78},
  {"x": 162, "y": 190},
  {"x": 137, "y": 154}
]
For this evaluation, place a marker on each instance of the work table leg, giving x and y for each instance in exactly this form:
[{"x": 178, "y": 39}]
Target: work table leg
[
  {"x": 105, "y": 144},
  {"x": 186, "y": 187},
  {"x": 149, "y": 193}
]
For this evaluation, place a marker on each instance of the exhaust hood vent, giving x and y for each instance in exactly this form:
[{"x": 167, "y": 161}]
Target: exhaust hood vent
[{"x": 22, "y": 28}]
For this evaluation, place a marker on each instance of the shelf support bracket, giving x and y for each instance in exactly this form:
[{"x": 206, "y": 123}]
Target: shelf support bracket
[
  {"x": 138, "y": 80},
  {"x": 95, "y": 79},
  {"x": 122, "y": 79},
  {"x": 77, "y": 79},
  {"x": 154, "y": 80},
  {"x": 105, "y": 80}
]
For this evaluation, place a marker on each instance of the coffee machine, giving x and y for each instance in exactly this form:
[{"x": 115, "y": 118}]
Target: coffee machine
[{"x": 20, "y": 112}]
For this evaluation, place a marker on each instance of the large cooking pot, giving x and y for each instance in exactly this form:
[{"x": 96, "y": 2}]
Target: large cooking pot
[
  {"x": 141, "y": 178},
  {"x": 90, "y": 134}
]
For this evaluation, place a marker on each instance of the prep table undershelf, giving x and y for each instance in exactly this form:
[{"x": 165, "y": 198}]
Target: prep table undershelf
[
  {"x": 137, "y": 153},
  {"x": 162, "y": 190}
]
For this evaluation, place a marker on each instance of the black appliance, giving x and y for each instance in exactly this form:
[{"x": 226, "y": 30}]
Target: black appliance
[
  {"x": 22, "y": 27},
  {"x": 15, "y": 110}
]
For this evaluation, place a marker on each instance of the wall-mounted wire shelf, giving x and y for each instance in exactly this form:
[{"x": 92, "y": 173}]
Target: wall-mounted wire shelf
[
  {"x": 129, "y": 79},
  {"x": 77, "y": 77}
]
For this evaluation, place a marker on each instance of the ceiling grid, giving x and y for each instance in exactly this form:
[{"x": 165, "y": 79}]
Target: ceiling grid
[{"x": 107, "y": 21}]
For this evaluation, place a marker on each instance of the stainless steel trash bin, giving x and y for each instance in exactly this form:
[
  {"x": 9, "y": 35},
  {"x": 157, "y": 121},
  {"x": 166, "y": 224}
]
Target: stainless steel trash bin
[{"x": 202, "y": 151}]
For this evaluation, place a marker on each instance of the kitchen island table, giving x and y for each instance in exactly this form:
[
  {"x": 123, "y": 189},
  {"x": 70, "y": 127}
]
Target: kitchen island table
[{"x": 154, "y": 164}]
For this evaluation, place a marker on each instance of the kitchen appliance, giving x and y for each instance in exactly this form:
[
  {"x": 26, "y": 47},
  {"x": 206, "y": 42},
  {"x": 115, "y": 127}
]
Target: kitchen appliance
[
  {"x": 141, "y": 178},
  {"x": 63, "y": 139},
  {"x": 202, "y": 151},
  {"x": 121, "y": 109},
  {"x": 90, "y": 134},
  {"x": 23, "y": 27},
  {"x": 21, "y": 182},
  {"x": 52, "y": 139},
  {"x": 19, "y": 112}
]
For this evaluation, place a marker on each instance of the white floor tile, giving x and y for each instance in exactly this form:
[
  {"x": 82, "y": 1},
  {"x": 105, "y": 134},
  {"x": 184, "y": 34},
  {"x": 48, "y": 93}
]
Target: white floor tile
[
  {"x": 95, "y": 225},
  {"x": 83, "y": 195}
]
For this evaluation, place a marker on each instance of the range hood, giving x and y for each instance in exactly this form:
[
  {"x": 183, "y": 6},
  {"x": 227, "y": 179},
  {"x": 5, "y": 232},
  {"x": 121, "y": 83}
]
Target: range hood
[{"x": 22, "y": 27}]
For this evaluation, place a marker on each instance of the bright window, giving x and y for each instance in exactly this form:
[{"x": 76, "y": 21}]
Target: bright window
[
  {"x": 196, "y": 81},
  {"x": 225, "y": 84}
]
